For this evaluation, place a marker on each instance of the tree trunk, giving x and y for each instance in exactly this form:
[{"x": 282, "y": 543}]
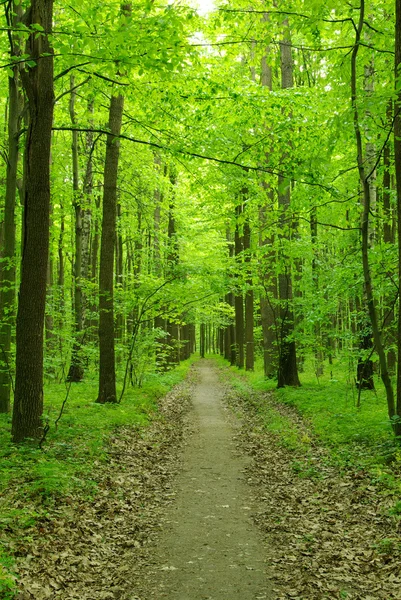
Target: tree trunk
[
  {"x": 364, "y": 179},
  {"x": 82, "y": 240},
  {"x": 388, "y": 229},
  {"x": 268, "y": 299},
  {"x": 202, "y": 340},
  {"x": 60, "y": 267},
  {"x": 388, "y": 238},
  {"x": 249, "y": 339},
  {"x": 49, "y": 311},
  {"x": 227, "y": 333},
  {"x": 238, "y": 298},
  {"x": 287, "y": 363},
  {"x": 397, "y": 152},
  {"x": 159, "y": 322},
  {"x": 365, "y": 367},
  {"x": 318, "y": 350},
  {"x": 173, "y": 355},
  {"x": 38, "y": 84},
  {"x": 119, "y": 274},
  {"x": 107, "y": 372},
  {"x": 158, "y": 199},
  {"x": 7, "y": 281},
  {"x": 231, "y": 349},
  {"x": 94, "y": 262}
]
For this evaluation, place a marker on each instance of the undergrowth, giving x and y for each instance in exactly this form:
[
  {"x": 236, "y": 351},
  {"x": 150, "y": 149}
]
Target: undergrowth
[
  {"x": 355, "y": 437},
  {"x": 33, "y": 481}
]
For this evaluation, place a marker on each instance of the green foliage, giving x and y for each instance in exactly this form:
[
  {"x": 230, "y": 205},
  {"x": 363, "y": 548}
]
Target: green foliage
[
  {"x": 8, "y": 582},
  {"x": 396, "y": 509},
  {"x": 357, "y": 438},
  {"x": 389, "y": 546},
  {"x": 330, "y": 404}
]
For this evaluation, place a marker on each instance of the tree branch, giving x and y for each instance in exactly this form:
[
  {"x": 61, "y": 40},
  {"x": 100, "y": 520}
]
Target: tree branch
[{"x": 197, "y": 155}]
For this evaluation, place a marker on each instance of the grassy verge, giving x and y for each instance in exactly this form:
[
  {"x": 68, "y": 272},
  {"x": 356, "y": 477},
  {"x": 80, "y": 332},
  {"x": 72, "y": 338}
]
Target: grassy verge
[
  {"x": 34, "y": 481},
  {"x": 355, "y": 437}
]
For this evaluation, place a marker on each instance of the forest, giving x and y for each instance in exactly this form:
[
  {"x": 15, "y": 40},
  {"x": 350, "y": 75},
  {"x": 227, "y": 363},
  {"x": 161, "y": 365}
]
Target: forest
[{"x": 188, "y": 182}]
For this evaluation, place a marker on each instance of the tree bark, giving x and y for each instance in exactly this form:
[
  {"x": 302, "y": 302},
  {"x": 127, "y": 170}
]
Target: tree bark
[
  {"x": 82, "y": 239},
  {"x": 318, "y": 351},
  {"x": 202, "y": 340},
  {"x": 365, "y": 367},
  {"x": 173, "y": 354},
  {"x": 249, "y": 300},
  {"x": 364, "y": 179},
  {"x": 120, "y": 318},
  {"x": 38, "y": 84},
  {"x": 388, "y": 229},
  {"x": 287, "y": 360},
  {"x": 268, "y": 299},
  {"x": 239, "y": 298},
  {"x": 107, "y": 372},
  {"x": 397, "y": 152},
  {"x": 8, "y": 273},
  {"x": 388, "y": 238}
]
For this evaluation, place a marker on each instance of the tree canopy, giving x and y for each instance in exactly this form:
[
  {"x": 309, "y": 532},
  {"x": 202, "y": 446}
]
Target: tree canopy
[{"x": 252, "y": 205}]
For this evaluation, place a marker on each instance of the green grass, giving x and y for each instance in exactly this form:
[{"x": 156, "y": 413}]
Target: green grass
[
  {"x": 355, "y": 437},
  {"x": 8, "y": 585},
  {"x": 33, "y": 481},
  {"x": 288, "y": 434}
]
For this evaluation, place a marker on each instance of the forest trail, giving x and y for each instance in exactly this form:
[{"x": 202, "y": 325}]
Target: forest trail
[
  {"x": 202, "y": 505},
  {"x": 211, "y": 549}
]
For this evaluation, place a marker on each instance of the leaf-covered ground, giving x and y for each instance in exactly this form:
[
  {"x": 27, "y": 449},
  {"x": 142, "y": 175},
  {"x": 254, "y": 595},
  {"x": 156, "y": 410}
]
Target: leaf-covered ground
[
  {"x": 95, "y": 549},
  {"x": 327, "y": 535}
]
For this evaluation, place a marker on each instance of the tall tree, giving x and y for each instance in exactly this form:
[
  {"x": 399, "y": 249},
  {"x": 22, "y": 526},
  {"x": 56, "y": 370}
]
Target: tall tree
[
  {"x": 7, "y": 280},
  {"x": 82, "y": 236},
  {"x": 239, "y": 297},
  {"x": 249, "y": 297},
  {"x": 37, "y": 80},
  {"x": 287, "y": 364},
  {"x": 107, "y": 369},
  {"x": 365, "y": 228},
  {"x": 396, "y": 414},
  {"x": 173, "y": 330},
  {"x": 268, "y": 297}
]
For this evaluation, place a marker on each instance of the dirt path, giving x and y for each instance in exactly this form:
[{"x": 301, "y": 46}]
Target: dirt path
[{"x": 211, "y": 549}]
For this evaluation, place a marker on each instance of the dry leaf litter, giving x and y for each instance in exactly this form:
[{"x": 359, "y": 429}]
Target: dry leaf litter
[
  {"x": 97, "y": 550},
  {"x": 327, "y": 537}
]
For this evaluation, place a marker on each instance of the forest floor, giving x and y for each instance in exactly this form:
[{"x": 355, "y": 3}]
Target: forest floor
[{"x": 207, "y": 504}]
